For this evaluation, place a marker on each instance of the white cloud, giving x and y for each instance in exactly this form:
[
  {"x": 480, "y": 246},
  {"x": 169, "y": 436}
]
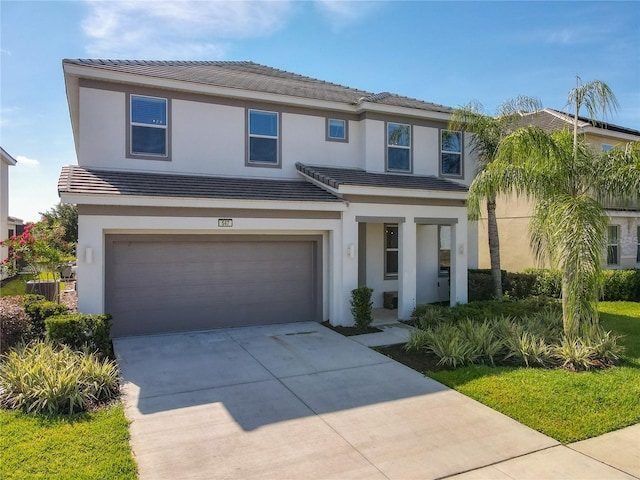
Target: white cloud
[
  {"x": 342, "y": 13},
  {"x": 27, "y": 162},
  {"x": 179, "y": 29}
]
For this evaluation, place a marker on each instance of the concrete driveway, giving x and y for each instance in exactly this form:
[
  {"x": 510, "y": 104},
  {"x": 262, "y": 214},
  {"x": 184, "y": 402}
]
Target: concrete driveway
[{"x": 301, "y": 401}]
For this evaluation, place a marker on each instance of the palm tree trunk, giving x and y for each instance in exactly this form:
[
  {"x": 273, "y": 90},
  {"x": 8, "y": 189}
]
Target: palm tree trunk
[{"x": 494, "y": 247}]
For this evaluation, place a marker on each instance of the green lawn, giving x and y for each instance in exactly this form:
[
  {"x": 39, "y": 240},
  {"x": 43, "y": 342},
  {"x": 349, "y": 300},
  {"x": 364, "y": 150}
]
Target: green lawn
[
  {"x": 564, "y": 405},
  {"x": 82, "y": 446},
  {"x": 19, "y": 285}
]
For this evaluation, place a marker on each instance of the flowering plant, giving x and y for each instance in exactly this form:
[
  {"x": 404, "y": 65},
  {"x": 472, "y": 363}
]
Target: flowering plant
[{"x": 41, "y": 246}]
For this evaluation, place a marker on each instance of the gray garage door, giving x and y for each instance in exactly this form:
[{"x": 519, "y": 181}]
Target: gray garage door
[{"x": 172, "y": 283}]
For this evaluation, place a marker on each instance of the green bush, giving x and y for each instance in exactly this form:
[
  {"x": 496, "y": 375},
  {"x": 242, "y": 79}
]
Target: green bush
[
  {"x": 487, "y": 345},
  {"x": 621, "y": 285},
  {"x": 14, "y": 326},
  {"x": 430, "y": 315},
  {"x": 519, "y": 285},
  {"x": 41, "y": 377},
  {"x": 548, "y": 282},
  {"x": 480, "y": 286},
  {"x": 81, "y": 332},
  {"x": 453, "y": 349},
  {"x": 38, "y": 310},
  {"x": 526, "y": 348},
  {"x": 361, "y": 306}
]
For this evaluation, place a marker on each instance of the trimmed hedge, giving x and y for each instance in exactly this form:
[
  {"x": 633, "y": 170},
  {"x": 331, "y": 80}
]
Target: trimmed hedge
[
  {"x": 81, "y": 332},
  {"x": 617, "y": 285},
  {"x": 38, "y": 309},
  {"x": 621, "y": 285}
]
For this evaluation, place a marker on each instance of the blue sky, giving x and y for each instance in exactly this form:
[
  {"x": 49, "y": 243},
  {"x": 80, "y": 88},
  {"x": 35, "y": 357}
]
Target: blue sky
[{"x": 448, "y": 53}]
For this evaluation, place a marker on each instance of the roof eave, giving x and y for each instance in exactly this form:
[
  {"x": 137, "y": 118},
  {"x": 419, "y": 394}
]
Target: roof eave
[
  {"x": 603, "y": 132},
  {"x": 401, "y": 192},
  {"x": 164, "y": 201},
  {"x": 7, "y": 158},
  {"x": 361, "y": 190}
]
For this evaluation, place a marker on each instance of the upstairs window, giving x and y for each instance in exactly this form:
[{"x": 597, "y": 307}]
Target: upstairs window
[
  {"x": 398, "y": 147},
  {"x": 606, "y": 147},
  {"x": 613, "y": 236},
  {"x": 390, "y": 251},
  {"x": 148, "y": 123},
  {"x": 336, "y": 130},
  {"x": 263, "y": 138},
  {"x": 451, "y": 153}
]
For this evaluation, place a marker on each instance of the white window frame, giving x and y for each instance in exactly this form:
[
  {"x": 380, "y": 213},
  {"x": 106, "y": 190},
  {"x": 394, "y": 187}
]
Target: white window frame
[
  {"x": 250, "y": 135},
  {"x": 460, "y": 153},
  {"x": 401, "y": 147},
  {"x": 148, "y": 125},
  {"x": 615, "y": 245},
  {"x": 387, "y": 274},
  {"x": 344, "y": 138}
]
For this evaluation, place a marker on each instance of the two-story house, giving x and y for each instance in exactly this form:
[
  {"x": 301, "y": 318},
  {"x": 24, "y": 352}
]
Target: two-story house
[
  {"x": 513, "y": 213},
  {"x": 216, "y": 194}
]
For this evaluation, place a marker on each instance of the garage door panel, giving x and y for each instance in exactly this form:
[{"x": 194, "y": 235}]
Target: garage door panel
[{"x": 159, "y": 284}]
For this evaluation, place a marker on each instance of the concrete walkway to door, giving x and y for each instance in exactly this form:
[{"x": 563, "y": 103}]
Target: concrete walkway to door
[{"x": 301, "y": 401}]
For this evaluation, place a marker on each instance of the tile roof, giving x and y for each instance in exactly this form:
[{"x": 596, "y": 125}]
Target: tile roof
[
  {"x": 77, "y": 180},
  {"x": 552, "y": 120},
  {"x": 334, "y": 177},
  {"x": 256, "y": 77}
]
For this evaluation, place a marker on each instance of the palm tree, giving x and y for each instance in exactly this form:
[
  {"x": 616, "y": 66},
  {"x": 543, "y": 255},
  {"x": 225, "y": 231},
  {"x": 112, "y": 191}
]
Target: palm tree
[
  {"x": 488, "y": 132},
  {"x": 569, "y": 184}
]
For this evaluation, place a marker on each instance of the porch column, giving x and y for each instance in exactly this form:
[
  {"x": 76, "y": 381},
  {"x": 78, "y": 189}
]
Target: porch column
[
  {"x": 346, "y": 255},
  {"x": 407, "y": 261},
  {"x": 459, "y": 272}
]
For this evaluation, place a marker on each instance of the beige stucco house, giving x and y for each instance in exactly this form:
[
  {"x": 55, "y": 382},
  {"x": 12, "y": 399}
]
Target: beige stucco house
[{"x": 513, "y": 214}]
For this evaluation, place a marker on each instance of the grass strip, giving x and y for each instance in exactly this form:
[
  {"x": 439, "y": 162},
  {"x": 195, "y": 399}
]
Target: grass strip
[{"x": 81, "y": 446}]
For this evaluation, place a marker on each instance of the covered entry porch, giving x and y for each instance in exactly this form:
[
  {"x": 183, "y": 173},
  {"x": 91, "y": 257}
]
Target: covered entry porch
[{"x": 410, "y": 261}]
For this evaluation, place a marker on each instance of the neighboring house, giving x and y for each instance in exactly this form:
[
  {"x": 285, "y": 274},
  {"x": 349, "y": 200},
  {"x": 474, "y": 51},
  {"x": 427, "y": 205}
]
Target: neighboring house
[
  {"x": 7, "y": 161},
  {"x": 15, "y": 226},
  {"x": 215, "y": 194},
  {"x": 623, "y": 248}
]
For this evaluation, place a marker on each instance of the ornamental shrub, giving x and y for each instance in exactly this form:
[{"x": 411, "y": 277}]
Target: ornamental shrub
[
  {"x": 81, "y": 332},
  {"x": 14, "y": 324},
  {"x": 38, "y": 310},
  {"x": 41, "y": 246},
  {"x": 361, "y": 306},
  {"x": 42, "y": 377}
]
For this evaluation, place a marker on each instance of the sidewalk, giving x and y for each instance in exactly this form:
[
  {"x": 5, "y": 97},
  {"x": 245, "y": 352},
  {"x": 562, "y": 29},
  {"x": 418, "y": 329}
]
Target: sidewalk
[{"x": 612, "y": 455}]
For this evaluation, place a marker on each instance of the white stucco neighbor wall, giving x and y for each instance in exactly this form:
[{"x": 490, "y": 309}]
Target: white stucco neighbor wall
[{"x": 6, "y": 161}]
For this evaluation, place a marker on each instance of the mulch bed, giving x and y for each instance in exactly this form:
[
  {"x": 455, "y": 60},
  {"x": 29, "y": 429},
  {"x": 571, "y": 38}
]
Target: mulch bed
[
  {"x": 420, "y": 361},
  {"x": 350, "y": 331}
]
